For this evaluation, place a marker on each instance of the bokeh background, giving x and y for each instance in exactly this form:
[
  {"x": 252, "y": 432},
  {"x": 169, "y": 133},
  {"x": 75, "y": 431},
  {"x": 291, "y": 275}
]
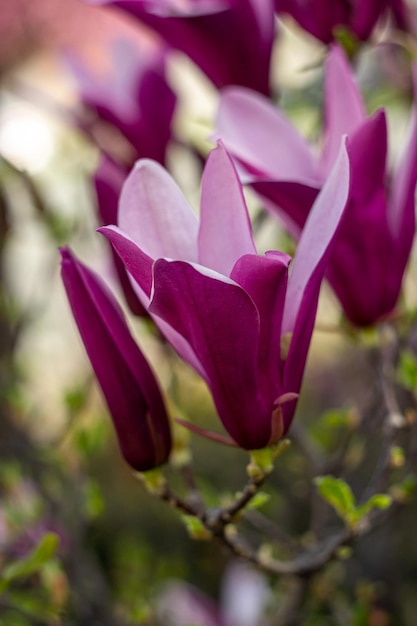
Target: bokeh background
[{"x": 60, "y": 468}]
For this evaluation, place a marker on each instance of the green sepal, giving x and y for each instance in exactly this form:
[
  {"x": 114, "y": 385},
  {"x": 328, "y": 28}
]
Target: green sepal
[
  {"x": 154, "y": 480},
  {"x": 262, "y": 461}
]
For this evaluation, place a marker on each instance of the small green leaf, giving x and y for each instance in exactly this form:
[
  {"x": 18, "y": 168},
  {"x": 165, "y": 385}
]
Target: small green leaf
[
  {"x": 43, "y": 552},
  {"x": 378, "y": 501},
  {"x": 258, "y": 500},
  {"x": 94, "y": 502},
  {"x": 196, "y": 528},
  {"x": 337, "y": 493},
  {"x": 397, "y": 457},
  {"x": 75, "y": 398},
  {"x": 407, "y": 370}
]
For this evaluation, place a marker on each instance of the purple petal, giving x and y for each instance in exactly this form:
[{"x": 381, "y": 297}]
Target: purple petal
[
  {"x": 137, "y": 263},
  {"x": 202, "y": 30},
  {"x": 265, "y": 280},
  {"x": 127, "y": 382},
  {"x": 258, "y": 135},
  {"x": 139, "y": 266},
  {"x": 344, "y": 107},
  {"x": 366, "y": 15},
  {"x": 290, "y": 201},
  {"x": 368, "y": 155},
  {"x": 155, "y": 214},
  {"x": 220, "y": 321},
  {"x": 133, "y": 96},
  {"x": 225, "y": 230},
  {"x": 309, "y": 265}
]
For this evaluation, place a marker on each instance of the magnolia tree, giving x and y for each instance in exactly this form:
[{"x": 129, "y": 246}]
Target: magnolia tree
[{"x": 241, "y": 318}]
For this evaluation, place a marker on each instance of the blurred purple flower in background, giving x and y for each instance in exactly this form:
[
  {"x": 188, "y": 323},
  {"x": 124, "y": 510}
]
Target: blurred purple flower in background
[
  {"x": 322, "y": 18},
  {"x": 108, "y": 182},
  {"x": 128, "y": 384},
  {"x": 367, "y": 263},
  {"x": 243, "y": 596},
  {"x": 133, "y": 96},
  {"x": 230, "y": 40},
  {"x": 233, "y": 315}
]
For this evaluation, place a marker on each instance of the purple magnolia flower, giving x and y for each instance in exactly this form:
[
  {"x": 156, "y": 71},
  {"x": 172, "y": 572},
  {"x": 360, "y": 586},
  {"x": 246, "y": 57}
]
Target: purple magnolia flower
[
  {"x": 368, "y": 261},
  {"x": 230, "y": 40},
  {"x": 321, "y": 18},
  {"x": 128, "y": 384},
  {"x": 240, "y": 319},
  {"x": 133, "y": 96},
  {"x": 244, "y": 594}
]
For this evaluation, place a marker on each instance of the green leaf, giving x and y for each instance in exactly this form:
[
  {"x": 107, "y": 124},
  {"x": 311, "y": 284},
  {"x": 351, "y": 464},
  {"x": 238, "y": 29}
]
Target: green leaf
[
  {"x": 196, "y": 528},
  {"x": 337, "y": 493},
  {"x": 43, "y": 552},
  {"x": 94, "y": 501},
  {"x": 378, "y": 501},
  {"x": 258, "y": 500},
  {"x": 407, "y": 370}
]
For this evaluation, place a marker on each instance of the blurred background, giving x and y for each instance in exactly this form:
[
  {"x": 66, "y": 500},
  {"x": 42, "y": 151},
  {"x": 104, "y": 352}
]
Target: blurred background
[{"x": 61, "y": 475}]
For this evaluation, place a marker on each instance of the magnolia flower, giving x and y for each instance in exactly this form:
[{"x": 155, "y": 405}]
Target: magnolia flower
[
  {"x": 243, "y": 598},
  {"x": 369, "y": 258},
  {"x": 133, "y": 95},
  {"x": 321, "y": 18},
  {"x": 128, "y": 384},
  {"x": 135, "y": 98},
  {"x": 240, "y": 319},
  {"x": 230, "y": 40}
]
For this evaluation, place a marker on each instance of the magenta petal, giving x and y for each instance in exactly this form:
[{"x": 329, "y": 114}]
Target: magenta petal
[
  {"x": 155, "y": 214},
  {"x": 133, "y": 96},
  {"x": 137, "y": 263},
  {"x": 225, "y": 230},
  {"x": 139, "y": 266},
  {"x": 368, "y": 155},
  {"x": 289, "y": 200},
  {"x": 220, "y": 321},
  {"x": 231, "y": 41},
  {"x": 128, "y": 384},
  {"x": 259, "y": 136},
  {"x": 344, "y": 107},
  {"x": 265, "y": 280},
  {"x": 313, "y": 251}
]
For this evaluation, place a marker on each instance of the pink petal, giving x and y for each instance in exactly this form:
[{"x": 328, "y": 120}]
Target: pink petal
[
  {"x": 314, "y": 247},
  {"x": 225, "y": 230},
  {"x": 344, "y": 107},
  {"x": 155, "y": 214},
  {"x": 258, "y": 135}
]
